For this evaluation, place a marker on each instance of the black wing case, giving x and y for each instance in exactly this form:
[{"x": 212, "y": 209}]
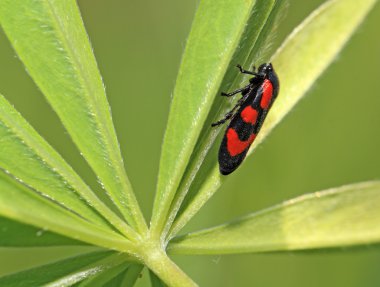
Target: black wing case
[{"x": 245, "y": 125}]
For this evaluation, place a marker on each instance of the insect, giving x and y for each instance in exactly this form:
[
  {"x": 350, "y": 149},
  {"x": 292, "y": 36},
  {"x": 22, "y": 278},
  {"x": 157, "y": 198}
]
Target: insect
[{"x": 247, "y": 116}]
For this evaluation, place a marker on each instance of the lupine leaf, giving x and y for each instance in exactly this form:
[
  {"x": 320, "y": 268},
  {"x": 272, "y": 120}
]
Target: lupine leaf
[
  {"x": 131, "y": 276},
  {"x": 28, "y": 157},
  {"x": 240, "y": 30},
  {"x": 15, "y": 234},
  {"x": 155, "y": 281},
  {"x": 343, "y": 216},
  {"x": 66, "y": 272},
  {"x": 103, "y": 278},
  {"x": 50, "y": 39},
  {"x": 308, "y": 51},
  {"x": 22, "y": 204}
]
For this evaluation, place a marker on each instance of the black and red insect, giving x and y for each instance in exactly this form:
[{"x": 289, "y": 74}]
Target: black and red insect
[{"x": 252, "y": 109}]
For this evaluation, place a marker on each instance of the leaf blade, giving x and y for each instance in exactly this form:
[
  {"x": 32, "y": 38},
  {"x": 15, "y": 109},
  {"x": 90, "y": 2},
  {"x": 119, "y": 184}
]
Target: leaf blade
[
  {"x": 19, "y": 203},
  {"x": 339, "y": 18},
  {"x": 65, "y": 272},
  {"x": 344, "y": 216},
  {"x": 50, "y": 39},
  {"x": 194, "y": 96},
  {"x": 28, "y": 157},
  {"x": 16, "y": 234},
  {"x": 103, "y": 278},
  {"x": 155, "y": 281},
  {"x": 133, "y": 273}
]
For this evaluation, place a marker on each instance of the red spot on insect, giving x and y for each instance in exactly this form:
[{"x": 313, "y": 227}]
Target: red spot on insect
[
  {"x": 249, "y": 115},
  {"x": 267, "y": 94},
  {"x": 236, "y": 146}
]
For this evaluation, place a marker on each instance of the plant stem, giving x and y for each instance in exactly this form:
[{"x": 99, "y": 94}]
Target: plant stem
[{"x": 157, "y": 261}]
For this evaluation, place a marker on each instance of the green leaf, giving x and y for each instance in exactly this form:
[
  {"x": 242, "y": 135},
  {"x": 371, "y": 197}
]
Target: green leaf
[
  {"x": 155, "y": 281},
  {"x": 240, "y": 30},
  {"x": 308, "y": 51},
  {"x": 15, "y": 234},
  {"x": 28, "y": 157},
  {"x": 343, "y": 216},
  {"x": 124, "y": 275},
  {"x": 66, "y": 272},
  {"x": 19, "y": 203},
  {"x": 116, "y": 281},
  {"x": 115, "y": 274},
  {"x": 50, "y": 39},
  {"x": 131, "y": 276}
]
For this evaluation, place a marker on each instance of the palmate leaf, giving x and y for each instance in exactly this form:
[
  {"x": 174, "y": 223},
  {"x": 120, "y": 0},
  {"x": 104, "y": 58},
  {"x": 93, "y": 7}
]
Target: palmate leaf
[
  {"x": 131, "y": 275},
  {"x": 28, "y": 157},
  {"x": 22, "y": 204},
  {"x": 343, "y": 216},
  {"x": 124, "y": 275},
  {"x": 73, "y": 87},
  {"x": 240, "y": 31},
  {"x": 110, "y": 277},
  {"x": 50, "y": 39},
  {"x": 155, "y": 281},
  {"x": 16, "y": 234},
  {"x": 66, "y": 272},
  {"x": 115, "y": 275},
  {"x": 303, "y": 57}
]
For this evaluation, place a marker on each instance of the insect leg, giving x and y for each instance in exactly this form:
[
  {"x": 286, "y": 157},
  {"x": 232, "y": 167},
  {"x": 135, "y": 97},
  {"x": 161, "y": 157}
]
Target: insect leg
[
  {"x": 226, "y": 118},
  {"x": 236, "y": 91},
  {"x": 229, "y": 114},
  {"x": 247, "y": 72}
]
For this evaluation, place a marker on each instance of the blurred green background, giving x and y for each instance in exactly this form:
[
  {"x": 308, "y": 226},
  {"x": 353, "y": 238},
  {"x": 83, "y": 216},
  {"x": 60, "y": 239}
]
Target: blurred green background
[{"x": 331, "y": 138}]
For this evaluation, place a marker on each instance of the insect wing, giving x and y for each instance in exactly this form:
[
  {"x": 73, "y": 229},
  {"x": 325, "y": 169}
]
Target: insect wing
[
  {"x": 245, "y": 125},
  {"x": 239, "y": 135}
]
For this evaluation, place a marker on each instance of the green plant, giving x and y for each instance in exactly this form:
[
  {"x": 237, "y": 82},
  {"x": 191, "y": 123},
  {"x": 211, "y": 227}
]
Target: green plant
[{"x": 39, "y": 189}]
